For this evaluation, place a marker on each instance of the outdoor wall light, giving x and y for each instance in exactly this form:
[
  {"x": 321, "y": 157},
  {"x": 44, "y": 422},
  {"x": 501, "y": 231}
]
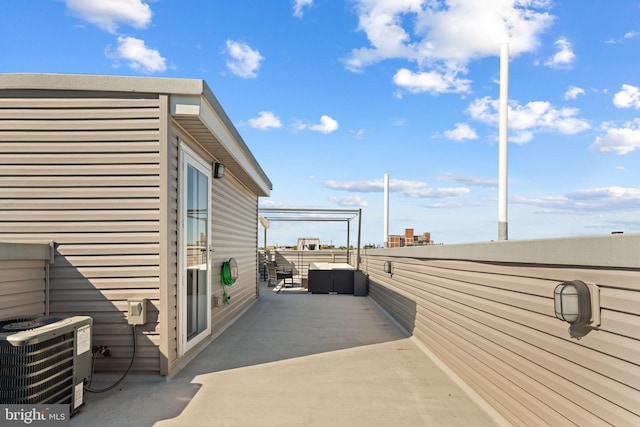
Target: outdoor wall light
[
  {"x": 577, "y": 303},
  {"x": 218, "y": 170},
  {"x": 387, "y": 267}
]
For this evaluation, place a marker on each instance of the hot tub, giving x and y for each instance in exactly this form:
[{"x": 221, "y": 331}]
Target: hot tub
[{"x": 331, "y": 277}]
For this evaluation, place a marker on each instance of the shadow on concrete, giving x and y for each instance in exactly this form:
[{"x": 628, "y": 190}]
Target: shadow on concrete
[
  {"x": 295, "y": 359},
  {"x": 279, "y": 326},
  {"x": 288, "y": 325}
]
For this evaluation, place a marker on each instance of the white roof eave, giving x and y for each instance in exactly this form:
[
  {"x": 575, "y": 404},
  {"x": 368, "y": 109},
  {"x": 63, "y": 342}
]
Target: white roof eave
[{"x": 198, "y": 106}]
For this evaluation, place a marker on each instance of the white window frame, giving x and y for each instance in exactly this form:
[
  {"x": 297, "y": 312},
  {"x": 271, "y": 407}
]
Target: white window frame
[{"x": 188, "y": 157}]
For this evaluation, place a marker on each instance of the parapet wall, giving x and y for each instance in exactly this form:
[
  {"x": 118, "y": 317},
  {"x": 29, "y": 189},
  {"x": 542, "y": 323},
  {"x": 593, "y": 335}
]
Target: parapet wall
[{"x": 487, "y": 311}]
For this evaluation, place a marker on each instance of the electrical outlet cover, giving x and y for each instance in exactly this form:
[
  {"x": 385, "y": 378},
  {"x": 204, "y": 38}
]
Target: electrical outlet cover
[{"x": 137, "y": 311}]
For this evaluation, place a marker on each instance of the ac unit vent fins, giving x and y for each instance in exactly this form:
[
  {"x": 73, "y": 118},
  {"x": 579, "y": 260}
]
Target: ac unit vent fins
[
  {"x": 37, "y": 373},
  {"x": 44, "y": 360}
]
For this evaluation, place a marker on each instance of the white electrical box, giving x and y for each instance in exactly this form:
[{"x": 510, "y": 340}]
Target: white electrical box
[{"x": 137, "y": 311}]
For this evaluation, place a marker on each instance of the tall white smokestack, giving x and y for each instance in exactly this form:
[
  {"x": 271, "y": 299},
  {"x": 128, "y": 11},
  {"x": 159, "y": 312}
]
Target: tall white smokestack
[
  {"x": 386, "y": 210},
  {"x": 503, "y": 141}
]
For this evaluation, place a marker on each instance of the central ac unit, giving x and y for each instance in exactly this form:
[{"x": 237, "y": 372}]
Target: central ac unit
[{"x": 45, "y": 360}]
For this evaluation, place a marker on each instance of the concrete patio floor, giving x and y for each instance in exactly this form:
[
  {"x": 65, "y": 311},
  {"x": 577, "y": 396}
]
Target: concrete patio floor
[{"x": 296, "y": 359}]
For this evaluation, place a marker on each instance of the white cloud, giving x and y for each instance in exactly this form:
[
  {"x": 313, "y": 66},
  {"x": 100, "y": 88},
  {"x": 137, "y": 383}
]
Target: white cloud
[
  {"x": 350, "y": 201},
  {"x": 357, "y": 133},
  {"x": 564, "y": 57},
  {"x": 573, "y": 92},
  {"x": 265, "y": 120},
  {"x": 520, "y": 137},
  {"x": 299, "y": 5},
  {"x": 327, "y": 125},
  {"x": 445, "y": 36},
  {"x": 436, "y": 193},
  {"x": 414, "y": 189},
  {"x": 628, "y": 97},
  {"x": 244, "y": 61},
  {"x": 357, "y": 186},
  {"x": 627, "y": 35},
  {"x": 631, "y": 34},
  {"x": 381, "y": 21},
  {"x": 461, "y": 132},
  {"x": 433, "y": 82},
  {"x": 619, "y": 140},
  {"x": 524, "y": 120},
  {"x": 109, "y": 14},
  {"x": 453, "y": 31},
  {"x": 605, "y": 199},
  {"x": 468, "y": 180},
  {"x": 272, "y": 204},
  {"x": 298, "y": 125},
  {"x": 139, "y": 56}
]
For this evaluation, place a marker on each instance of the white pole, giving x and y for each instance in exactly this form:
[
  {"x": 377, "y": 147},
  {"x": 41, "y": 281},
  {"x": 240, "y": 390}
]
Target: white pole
[
  {"x": 386, "y": 210},
  {"x": 503, "y": 141}
]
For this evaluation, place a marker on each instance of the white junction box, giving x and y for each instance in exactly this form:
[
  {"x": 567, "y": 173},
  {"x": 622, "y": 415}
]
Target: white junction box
[{"x": 137, "y": 311}]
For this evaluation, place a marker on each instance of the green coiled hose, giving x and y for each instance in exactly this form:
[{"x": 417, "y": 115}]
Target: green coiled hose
[{"x": 228, "y": 277}]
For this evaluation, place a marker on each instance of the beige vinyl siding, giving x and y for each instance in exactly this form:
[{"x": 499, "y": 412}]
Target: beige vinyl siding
[
  {"x": 82, "y": 169},
  {"x": 170, "y": 295},
  {"x": 234, "y": 235},
  {"x": 493, "y": 324},
  {"x": 22, "y": 288}
]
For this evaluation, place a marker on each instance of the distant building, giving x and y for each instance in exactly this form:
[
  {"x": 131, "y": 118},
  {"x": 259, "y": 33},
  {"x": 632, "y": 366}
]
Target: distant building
[
  {"x": 308, "y": 243},
  {"x": 399, "y": 241}
]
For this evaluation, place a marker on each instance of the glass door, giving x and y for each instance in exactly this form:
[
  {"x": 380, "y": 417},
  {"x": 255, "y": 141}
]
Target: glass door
[{"x": 195, "y": 301}]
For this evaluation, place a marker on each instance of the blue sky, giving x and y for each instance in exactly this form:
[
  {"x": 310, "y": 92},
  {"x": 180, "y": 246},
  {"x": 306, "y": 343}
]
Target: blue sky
[{"x": 330, "y": 95}]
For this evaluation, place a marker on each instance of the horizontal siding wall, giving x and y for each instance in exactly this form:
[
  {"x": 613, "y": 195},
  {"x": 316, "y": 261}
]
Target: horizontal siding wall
[
  {"x": 171, "y": 293},
  {"x": 22, "y": 288},
  {"x": 493, "y": 324},
  {"x": 234, "y": 235},
  {"x": 83, "y": 170}
]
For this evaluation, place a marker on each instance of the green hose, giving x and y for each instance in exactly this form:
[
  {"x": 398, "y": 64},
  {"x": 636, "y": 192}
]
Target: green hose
[{"x": 227, "y": 280}]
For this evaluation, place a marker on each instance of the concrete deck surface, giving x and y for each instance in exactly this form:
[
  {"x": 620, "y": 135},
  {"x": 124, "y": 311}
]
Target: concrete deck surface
[{"x": 295, "y": 360}]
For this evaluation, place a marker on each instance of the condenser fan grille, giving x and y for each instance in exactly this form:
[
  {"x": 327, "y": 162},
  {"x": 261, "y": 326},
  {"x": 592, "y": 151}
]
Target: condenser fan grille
[
  {"x": 26, "y": 323},
  {"x": 37, "y": 373},
  {"x": 45, "y": 360}
]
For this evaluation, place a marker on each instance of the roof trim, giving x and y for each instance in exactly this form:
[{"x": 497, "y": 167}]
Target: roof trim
[
  {"x": 191, "y": 97},
  {"x": 614, "y": 250},
  {"x": 213, "y": 117},
  {"x": 94, "y": 82}
]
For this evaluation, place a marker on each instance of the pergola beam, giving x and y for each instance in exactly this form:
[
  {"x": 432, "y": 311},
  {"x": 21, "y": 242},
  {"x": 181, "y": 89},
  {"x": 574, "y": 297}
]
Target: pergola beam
[{"x": 315, "y": 215}]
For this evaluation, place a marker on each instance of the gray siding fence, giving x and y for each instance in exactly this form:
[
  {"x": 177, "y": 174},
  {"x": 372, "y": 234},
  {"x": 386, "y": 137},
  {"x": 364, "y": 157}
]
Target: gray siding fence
[
  {"x": 24, "y": 279},
  {"x": 487, "y": 312}
]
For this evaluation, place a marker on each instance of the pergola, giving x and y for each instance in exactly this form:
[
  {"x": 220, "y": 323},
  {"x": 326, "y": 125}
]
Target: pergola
[{"x": 267, "y": 215}]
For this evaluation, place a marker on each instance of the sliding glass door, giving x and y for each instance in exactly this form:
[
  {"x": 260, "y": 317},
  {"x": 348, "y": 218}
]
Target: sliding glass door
[{"x": 195, "y": 288}]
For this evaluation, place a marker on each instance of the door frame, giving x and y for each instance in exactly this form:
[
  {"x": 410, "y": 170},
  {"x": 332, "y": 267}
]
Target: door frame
[{"x": 188, "y": 157}]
